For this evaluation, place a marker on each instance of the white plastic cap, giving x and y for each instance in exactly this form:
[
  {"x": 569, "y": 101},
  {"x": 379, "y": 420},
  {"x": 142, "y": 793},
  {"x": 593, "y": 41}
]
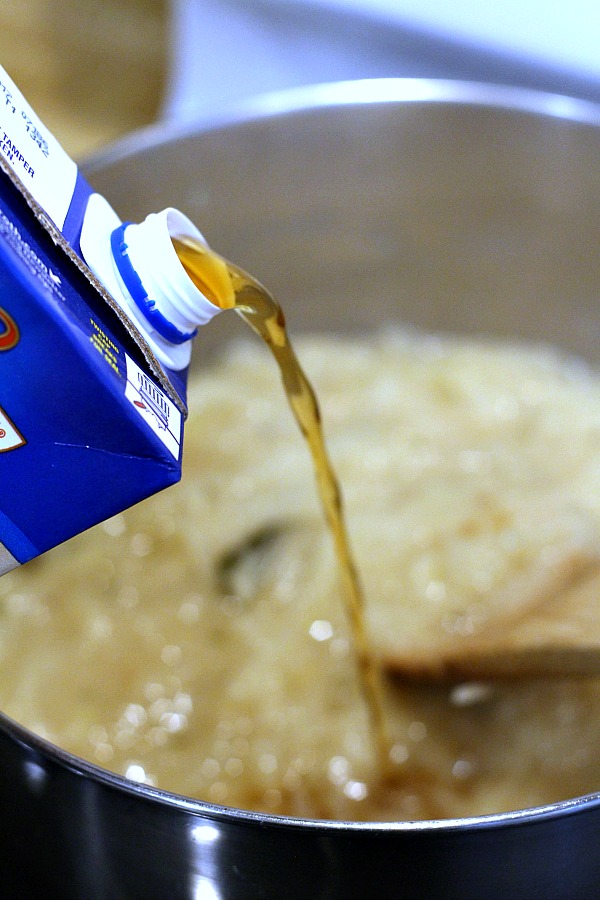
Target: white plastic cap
[
  {"x": 140, "y": 268},
  {"x": 153, "y": 256}
]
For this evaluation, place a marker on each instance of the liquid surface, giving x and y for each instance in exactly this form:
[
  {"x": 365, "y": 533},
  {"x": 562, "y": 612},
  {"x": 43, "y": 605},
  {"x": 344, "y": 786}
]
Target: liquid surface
[{"x": 198, "y": 642}]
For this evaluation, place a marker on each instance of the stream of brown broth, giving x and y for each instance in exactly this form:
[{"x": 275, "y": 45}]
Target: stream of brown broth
[{"x": 229, "y": 287}]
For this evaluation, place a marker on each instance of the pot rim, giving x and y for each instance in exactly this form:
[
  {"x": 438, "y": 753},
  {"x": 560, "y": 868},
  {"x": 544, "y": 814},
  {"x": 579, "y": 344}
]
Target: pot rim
[
  {"x": 111, "y": 780},
  {"x": 357, "y": 92},
  {"x": 370, "y": 91}
]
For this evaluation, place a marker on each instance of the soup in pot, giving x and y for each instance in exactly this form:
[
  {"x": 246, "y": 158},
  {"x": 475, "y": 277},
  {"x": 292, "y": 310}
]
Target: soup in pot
[{"x": 198, "y": 642}]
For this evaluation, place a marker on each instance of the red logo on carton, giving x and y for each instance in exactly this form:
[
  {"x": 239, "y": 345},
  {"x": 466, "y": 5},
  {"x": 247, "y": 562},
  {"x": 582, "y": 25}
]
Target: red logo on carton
[
  {"x": 10, "y": 436},
  {"x": 9, "y": 331}
]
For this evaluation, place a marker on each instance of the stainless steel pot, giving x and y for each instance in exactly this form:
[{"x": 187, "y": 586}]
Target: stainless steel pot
[{"x": 450, "y": 206}]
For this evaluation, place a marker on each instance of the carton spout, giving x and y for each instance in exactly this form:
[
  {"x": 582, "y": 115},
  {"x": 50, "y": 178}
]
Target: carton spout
[{"x": 139, "y": 266}]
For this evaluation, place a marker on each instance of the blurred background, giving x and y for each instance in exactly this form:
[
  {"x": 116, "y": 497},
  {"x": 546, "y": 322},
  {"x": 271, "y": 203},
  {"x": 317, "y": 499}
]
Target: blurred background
[
  {"x": 91, "y": 69},
  {"x": 97, "y": 69}
]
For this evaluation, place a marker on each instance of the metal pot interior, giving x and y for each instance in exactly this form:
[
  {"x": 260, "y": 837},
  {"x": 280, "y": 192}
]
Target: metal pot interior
[{"x": 455, "y": 207}]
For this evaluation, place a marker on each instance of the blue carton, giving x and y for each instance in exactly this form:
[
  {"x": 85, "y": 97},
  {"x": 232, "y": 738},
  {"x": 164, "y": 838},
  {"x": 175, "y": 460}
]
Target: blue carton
[{"x": 90, "y": 422}]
